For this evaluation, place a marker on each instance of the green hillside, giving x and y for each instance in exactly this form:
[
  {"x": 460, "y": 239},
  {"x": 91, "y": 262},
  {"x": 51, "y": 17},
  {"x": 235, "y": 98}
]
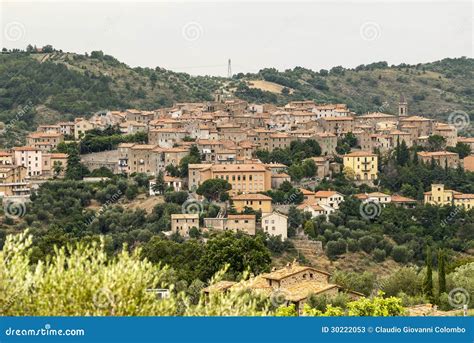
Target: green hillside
[
  {"x": 45, "y": 87},
  {"x": 432, "y": 89}
]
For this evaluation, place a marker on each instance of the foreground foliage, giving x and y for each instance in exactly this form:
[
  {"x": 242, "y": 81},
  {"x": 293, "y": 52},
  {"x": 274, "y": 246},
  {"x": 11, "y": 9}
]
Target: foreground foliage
[{"x": 82, "y": 281}]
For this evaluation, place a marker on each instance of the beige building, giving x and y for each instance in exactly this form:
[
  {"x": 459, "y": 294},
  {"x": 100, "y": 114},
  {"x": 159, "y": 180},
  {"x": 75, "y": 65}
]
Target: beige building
[
  {"x": 66, "y": 128},
  {"x": 244, "y": 177},
  {"x": 12, "y": 181},
  {"x": 278, "y": 179},
  {"x": 279, "y": 141},
  {"x": 181, "y": 223},
  {"x": 81, "y": 126},
  {"x": 166, "y": 137},
  {"x": 139, "y": 116},
  {"x": 44, "y": 141},
  {"x": 140, "y": 159},
  {"x": 236, "y": 222},
  {"x": 49, "y": 129},
  {"x": 338, "y": 126},
  {"x": 441, "y": 158},
  {"x": 6, "y": 158},
  {"x": 448, "y": 132},
  {"x": 468, "y": 163},
  {"x": 327, "y": 141},
  {"x": 241, "y": 222},
  {"x": 54, "y": 164},
  {"x": 361, "y": 165},
  {"x": 29, "y": 157},
  {"x": 422, "y": 125},
  {"x": 322, "y": 166},
  {"x": 293, "y": 283},
  {"x": 275, "y": 224}
]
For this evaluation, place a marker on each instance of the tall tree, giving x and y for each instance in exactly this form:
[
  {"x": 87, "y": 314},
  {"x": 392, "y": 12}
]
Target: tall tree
[
  {"x": 75, "y": 170},
  {"x": 159, "y": 186}
]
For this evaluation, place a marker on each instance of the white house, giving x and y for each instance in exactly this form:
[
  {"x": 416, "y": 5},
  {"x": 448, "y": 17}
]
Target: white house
[
  {"x": 170, "y": 182},
  {"x": 316, "y": 209},
  {"x": 275, "y": 224},
  {"x": 329, "y": 198},
  {"x": 377, "y": 197}
]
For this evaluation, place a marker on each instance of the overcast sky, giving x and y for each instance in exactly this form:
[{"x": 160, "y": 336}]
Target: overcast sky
[{"x": 199, "y": 37}]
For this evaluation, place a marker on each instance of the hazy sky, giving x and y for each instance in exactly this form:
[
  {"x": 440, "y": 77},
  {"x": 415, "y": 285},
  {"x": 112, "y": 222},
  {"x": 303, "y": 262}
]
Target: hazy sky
[{"x": 199, "y": 37}]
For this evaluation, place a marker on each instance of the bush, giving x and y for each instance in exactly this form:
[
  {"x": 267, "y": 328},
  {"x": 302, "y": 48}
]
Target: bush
[
  {"x": 286, "y": 311},
  {"x": 379, "y": 255},
  {"x": 320, "y": 302},
  {"x": 336, "y": 248},
  {"x": 400, "y": 254},
  {"x": 404, "y": 280},
  {"x": 367, "y": 243},
  {"x": 176, "y": 197},
  {"x": 377, "y": 306},
  {"x": 360, "y": 282},
  {"x": 95, "y": 285},
  {"x": 352, "y": 245}
]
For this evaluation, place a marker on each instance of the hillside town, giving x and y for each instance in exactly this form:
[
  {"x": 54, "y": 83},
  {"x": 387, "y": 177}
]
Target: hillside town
[{"x": 227, "y": 134}]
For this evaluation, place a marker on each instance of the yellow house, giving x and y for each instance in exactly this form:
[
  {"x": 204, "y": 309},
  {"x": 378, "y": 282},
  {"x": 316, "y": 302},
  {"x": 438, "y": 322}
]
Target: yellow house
[
  {"x": 361, "y": 165},
  {"x": 441, "y": 197},
  {"x": 464, "y": 200},
  {"x": 258, "y": 202}
]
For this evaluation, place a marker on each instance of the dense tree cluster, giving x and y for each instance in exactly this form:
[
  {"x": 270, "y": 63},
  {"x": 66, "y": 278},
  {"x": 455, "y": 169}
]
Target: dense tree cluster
[{"x": 97, "y": 140}]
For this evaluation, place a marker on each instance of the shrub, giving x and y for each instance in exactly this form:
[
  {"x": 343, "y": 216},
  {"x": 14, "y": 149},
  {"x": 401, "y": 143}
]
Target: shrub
[
  {"x": 360, "y": 282},
  {"x": 404, "y": 280},
  {"x": 379, "y": 255},
  {"x": 176, "y": 197},
  {"x": 377, "y": 306},
  {"x": 83, "y": 281},
  {"x": 286, "y": 311},
  {"x": 367, "y": 244},
  {"x": 336, "y": 248},
  {"x": 400, "y": 254},
  {"x": 352, "y": 245}
]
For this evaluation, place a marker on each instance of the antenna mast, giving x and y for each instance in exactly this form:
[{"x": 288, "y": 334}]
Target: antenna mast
[{"x": 229, "y": 69}]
